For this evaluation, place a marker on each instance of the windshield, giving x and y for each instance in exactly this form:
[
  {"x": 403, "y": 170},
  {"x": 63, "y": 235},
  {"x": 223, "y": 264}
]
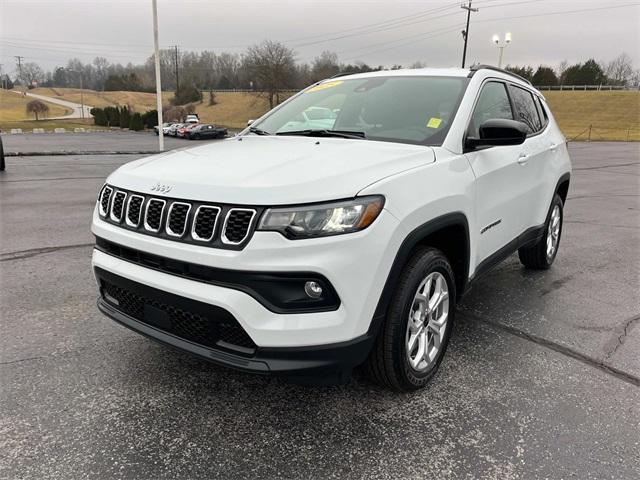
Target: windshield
[{"x": 406, "y": 109}]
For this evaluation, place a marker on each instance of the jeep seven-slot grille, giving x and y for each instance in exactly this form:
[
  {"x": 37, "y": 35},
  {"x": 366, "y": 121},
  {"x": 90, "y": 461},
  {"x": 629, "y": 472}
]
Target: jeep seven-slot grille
[
  {"x": 220, "y": 226},
  {"x": 207, "y": 329}
]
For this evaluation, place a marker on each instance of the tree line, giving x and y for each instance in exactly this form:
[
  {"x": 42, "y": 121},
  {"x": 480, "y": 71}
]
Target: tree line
[
  {"x": 271, "y": 67},
  {"x": 618, "y": 71}
]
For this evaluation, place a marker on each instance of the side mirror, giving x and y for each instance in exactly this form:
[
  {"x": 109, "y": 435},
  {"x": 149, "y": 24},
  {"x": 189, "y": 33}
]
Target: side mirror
[
  {"x": 498, "y": 131},
  {"x": 249, "y": 122}
]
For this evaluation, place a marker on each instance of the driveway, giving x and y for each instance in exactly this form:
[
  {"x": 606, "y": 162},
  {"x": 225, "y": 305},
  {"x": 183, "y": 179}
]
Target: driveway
[{"x": 75, "y": 107}]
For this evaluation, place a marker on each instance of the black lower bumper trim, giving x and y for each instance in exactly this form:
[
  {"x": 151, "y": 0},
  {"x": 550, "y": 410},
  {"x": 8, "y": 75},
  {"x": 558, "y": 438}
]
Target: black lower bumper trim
[{"x": 339, "y": 357}]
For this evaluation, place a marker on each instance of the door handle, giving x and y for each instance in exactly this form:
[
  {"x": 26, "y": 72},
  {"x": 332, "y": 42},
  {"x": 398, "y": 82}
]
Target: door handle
[
  {"x": 522, "y": 159},
  {"x": 554, "y": 146}
]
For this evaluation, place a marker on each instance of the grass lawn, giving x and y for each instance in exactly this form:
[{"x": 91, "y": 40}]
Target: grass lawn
[
  {"x": 13, "y": 108},
  {"x": 611, "y": 115},
  {"x": 140, "y": 101}
]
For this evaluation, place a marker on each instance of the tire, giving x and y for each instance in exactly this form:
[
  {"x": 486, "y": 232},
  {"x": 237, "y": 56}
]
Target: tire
[
  {"x": 540, "y": 255},
  {"x": 390, "y": 361}
]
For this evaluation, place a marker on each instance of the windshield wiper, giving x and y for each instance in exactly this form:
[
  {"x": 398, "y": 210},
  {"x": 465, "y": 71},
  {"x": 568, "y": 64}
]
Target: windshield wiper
[
  {"x": 258, "y": 131},
  {"x": 326, "y": 133}
]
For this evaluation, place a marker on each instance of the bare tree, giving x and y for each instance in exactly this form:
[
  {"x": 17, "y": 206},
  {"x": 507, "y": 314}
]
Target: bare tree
[
  {"x": 272, "y": 65},
  {"x": 31, "y": 74},
  {"x": 562, "y": 69},
  {"x": 325, "y": 66},
  {"x": 620, "y": 69},
  {"x": 36, "y": 107}
]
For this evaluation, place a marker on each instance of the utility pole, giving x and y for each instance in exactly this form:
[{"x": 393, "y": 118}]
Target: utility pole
[
  {"x": 19, "y": 58},
  {"x": 154, "y": 4},
  {"x": 175, "y": 56},
  {"x": 465, "y": 32}
]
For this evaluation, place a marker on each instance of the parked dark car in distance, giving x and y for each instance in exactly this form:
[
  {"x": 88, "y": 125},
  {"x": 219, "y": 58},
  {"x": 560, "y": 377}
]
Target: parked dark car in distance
[{"x": 206, "y": 131}]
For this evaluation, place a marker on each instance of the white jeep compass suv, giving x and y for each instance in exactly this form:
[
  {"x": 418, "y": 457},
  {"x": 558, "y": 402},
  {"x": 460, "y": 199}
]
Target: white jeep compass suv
[{"x": 308, "y": 250}]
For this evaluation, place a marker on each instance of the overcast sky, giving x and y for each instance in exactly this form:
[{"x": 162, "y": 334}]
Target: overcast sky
[{"x": 377, "y": 32}]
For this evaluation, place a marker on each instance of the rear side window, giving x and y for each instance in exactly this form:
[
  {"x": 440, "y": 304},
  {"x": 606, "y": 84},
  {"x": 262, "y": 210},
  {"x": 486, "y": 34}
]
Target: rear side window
[
  {"x": 526, "y": 109},
  {"x": 543, "y": 112},
  {"x": 492, "y": 103}
]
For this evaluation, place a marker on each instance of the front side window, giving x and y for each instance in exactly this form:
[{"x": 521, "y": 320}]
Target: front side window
[
  {"x": 405, "y": 109},
  {"x": 526, "y": 108},
  {"x": 493, "y": 103}
]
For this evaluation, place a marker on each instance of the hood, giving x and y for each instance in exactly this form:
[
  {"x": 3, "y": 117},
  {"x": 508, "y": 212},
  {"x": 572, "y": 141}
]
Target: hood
[{"x": 271, "y": 170}]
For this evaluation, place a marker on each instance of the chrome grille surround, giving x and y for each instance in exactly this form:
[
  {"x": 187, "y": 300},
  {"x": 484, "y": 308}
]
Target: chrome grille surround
[
  {"x": 118, "y": 202},
  {"x": 252, "y": 218},
  {"x": 102, "y": 208},
  {"x": 206, "y": 224},
  {"x": 146, "y": 214},
  {"x": 168, "y": 228},
  {"x": 194, "y": 225},
  {"x": 127, "y": 218}
]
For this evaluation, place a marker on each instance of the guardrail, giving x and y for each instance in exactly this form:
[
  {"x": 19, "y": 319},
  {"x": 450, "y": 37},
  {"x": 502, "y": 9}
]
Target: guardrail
[{"x": 588, "y": 87}]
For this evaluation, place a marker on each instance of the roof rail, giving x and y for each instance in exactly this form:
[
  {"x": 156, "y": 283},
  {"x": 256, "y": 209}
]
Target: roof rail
[
  {"x": 342, "y": 74},
  {"x": 475, "y": 68}
]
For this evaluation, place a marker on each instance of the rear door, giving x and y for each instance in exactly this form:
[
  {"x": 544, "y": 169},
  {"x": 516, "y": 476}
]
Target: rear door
[
  {"x": 535, "y": 158},
  {"x": 501, "y": 189}
]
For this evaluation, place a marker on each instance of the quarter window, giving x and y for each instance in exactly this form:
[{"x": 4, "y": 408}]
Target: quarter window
[
  {"x": 492, "y": 103},
  {"x": 526, "y": 109}
]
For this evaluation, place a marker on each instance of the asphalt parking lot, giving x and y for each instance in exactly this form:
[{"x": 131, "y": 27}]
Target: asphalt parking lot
[{"x": 541, "y": 379}]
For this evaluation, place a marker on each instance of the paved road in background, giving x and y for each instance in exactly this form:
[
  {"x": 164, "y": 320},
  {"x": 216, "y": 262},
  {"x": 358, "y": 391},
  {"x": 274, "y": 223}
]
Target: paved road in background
[
  {"x": 76, "y": 108},
  {"x": 115, "y": 141},
  {"x": 540, "y": 379}
]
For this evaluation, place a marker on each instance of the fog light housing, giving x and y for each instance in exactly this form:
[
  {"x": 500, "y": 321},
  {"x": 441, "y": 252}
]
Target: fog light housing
[{"x": 313, "y": 289}]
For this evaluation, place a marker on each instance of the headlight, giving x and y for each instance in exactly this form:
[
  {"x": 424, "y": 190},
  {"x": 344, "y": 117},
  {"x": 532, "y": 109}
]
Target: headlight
[{"x": 325, "y": 219}]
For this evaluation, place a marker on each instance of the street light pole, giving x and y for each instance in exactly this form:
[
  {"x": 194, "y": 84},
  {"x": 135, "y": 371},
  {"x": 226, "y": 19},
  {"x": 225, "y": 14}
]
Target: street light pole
[
  {"x": 79, "y": 72},
  {"x": 501, "y": 45},
  {"x": 158, "y": 82},
  {"x": 81, "y": 95}
]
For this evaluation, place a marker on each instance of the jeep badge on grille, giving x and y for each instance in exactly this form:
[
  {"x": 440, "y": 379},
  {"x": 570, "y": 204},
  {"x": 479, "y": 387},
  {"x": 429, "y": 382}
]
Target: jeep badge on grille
[{"x": 161, "y": 188}]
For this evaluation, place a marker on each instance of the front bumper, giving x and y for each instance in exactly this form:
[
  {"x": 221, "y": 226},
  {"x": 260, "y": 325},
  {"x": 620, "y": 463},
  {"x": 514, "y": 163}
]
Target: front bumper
[
  {"x": 356, "y": 265},
  {"x": 326, "y": 359}
]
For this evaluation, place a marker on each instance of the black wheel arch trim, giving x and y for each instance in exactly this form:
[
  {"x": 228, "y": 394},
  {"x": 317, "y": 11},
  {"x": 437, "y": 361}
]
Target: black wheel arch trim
[
  {"x": 565, "y": 177},
  {"x": 412, "y": 240}
]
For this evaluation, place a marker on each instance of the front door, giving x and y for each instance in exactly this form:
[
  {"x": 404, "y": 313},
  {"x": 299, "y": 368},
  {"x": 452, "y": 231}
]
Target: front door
[{"x": 501, "y": 186}]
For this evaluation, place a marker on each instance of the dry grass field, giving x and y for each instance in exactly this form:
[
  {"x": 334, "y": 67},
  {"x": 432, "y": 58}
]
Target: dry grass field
[
  {"x": 13, "y": 107},
  {"x": 140, "y": 101},
  {"x": 611, "y": 115}
]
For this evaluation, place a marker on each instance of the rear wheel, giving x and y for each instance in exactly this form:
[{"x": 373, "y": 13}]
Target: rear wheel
[
  {"x": 540, "y": 256},
  {"x": 414, "y": 337}
]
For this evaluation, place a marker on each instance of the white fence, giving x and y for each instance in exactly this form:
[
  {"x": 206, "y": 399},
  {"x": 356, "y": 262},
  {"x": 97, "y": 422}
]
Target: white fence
[{"x": 588, "y": 87}]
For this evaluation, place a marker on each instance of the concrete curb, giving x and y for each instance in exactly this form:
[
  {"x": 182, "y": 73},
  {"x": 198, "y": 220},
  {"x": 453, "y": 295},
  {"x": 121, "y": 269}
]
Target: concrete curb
[{"x": 78, "y": 152}]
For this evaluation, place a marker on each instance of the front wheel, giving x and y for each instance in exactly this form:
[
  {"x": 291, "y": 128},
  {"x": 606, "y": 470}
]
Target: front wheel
[
  {"x": 540, "y": 255},
  {"x": 414, "y": 337}
]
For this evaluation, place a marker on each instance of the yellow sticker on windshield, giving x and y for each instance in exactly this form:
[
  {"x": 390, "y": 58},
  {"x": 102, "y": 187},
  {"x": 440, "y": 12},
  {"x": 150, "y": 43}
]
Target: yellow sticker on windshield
[
  {"x": 434, "y": 122},
  {"x": 324, "y": 86}
]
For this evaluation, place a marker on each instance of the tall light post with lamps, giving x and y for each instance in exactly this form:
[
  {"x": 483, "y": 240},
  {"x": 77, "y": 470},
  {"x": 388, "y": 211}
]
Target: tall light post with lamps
[{"x": 501, "y": 44}]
